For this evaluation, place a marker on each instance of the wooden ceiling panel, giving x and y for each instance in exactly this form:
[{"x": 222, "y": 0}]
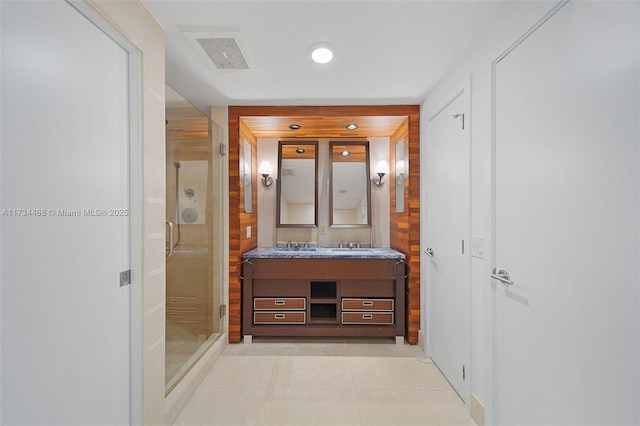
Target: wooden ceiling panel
[{"x": 322, "y": 126}]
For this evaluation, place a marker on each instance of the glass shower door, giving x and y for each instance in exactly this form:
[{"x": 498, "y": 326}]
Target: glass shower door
[{"x": 193, "y": 288}]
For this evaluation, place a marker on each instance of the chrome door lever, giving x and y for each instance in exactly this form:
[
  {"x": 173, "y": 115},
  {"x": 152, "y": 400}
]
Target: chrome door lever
[
  {"x": 429, "y": 252},
  {"x": 503, "y": 276},
  {"x": 170, "y": 224}
]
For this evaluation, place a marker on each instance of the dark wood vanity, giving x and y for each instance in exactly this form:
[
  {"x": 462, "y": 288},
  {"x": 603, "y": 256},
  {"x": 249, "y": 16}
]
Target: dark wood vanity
[{"x": 324, "y": 293}]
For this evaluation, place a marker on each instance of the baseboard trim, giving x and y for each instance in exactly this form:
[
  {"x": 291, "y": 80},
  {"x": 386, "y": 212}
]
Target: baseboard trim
[
  {"x": 477, "y": 410},
  {"x": 422, "y": 341}
]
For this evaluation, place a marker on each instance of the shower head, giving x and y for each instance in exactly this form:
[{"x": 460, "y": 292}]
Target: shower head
[{"x": 177, "y": 164}]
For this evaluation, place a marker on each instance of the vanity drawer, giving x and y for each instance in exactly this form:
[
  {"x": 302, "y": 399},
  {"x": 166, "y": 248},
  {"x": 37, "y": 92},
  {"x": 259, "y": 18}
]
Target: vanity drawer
[
  {"x": 367, "y": 317},
  {"x": 282, "y": 303},
  {"x": 274, "y": 317},
  {"x": 367, "y": 304}
]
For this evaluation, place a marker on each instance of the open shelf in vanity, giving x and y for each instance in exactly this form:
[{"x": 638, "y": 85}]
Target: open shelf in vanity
[
  {"x": 323, "y": 302},
  {"x": 324, "y": 293}
]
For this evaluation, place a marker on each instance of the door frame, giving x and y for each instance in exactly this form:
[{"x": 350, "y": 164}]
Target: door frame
[
  {"x": 461, "y": 89},
  {"x": 135, "y": 199}
]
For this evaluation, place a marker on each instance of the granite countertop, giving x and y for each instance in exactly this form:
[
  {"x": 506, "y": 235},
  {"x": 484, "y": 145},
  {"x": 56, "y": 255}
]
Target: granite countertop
[{"x": 323, "y": 253}]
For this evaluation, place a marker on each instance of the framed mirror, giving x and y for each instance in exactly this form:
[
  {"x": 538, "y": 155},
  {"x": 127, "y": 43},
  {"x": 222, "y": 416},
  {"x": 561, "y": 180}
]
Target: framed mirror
[
  {"x": 350, "y": 190},
  {"x": 297, "y": 205},
  {"x": 401, "y": 173},
  {"x": 245, "y": 169}
]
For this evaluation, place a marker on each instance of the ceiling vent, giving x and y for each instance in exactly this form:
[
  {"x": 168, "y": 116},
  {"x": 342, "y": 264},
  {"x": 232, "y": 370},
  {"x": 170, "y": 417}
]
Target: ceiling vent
[{"x": 222, "y": 48}]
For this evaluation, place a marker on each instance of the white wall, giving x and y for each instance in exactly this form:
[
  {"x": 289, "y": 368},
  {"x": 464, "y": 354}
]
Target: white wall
[
  {"x": 478, "y": 67},
  {"x": 267, "y": 151}
]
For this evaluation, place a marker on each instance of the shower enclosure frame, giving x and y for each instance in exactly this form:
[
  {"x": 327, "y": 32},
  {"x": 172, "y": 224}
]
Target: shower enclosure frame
[{"x": 195, "y": 248}]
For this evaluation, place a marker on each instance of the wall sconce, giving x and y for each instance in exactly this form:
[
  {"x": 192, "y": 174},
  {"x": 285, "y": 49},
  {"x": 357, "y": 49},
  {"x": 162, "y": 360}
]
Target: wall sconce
[
  {"x": 400, "y": 172},
  {"x": 247, "y": 174},
  {"x": 265, "y": 170},
  {"x": 382, "y": 168}
]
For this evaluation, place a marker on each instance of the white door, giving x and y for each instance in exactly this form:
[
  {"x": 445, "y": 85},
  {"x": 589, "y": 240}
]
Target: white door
[
  {"x": 444, "y": 250},
  {"x": 65, "y": 226},
  {"x": 566, "y": 220}
]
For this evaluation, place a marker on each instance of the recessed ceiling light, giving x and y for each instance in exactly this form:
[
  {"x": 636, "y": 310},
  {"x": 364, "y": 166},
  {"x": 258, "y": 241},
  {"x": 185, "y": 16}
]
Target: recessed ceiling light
[
  {"x": 300, "y": 151},
  {"x": 322, "y": 52},
  {"x": 322, "y": 55},
  {"x": 345, "y": 153},
  {"x": 352, "y": 126},
  {"x": 295, "y": 127}
]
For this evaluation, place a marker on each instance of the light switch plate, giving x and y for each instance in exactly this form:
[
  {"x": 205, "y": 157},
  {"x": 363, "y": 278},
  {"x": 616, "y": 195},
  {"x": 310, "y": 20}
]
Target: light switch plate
[
  {"x": 477, "y": 246},
  {"x": 249, "y": 231}
]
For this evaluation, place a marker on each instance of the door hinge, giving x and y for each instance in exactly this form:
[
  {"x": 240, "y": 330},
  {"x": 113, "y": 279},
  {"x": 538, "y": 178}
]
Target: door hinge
[
  {"x": 462, "y": 246},
  {"x": 463, "y": 373},
  {"x": 223, "y": 311},
  {"x": 460, "y": 115}
]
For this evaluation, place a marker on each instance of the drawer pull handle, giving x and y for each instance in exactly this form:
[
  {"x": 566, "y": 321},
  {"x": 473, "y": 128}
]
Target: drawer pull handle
[
  {"x": 279, "y": 316},
  {"x": 367, "y": 303},
  {"x": 279, "y": 302},
  {"x": 367, "y": 316},
  {"x": 175, "y": 315}
]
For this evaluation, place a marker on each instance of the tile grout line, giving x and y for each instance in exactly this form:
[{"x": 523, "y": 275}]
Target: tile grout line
[{"x": 353, "y": 382}]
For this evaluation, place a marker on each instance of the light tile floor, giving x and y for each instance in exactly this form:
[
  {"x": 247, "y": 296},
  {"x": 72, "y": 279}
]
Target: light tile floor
[{"x": 324, "y": 382}]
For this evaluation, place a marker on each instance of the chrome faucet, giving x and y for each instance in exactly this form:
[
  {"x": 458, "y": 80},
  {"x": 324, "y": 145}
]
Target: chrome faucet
[{"x": 340, "y": 244}]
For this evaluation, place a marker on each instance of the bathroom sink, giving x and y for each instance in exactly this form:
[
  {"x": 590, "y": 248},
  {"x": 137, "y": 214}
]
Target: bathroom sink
[
  {"x": 294, "y": 249},
  {"x": 352, "y": 250}
]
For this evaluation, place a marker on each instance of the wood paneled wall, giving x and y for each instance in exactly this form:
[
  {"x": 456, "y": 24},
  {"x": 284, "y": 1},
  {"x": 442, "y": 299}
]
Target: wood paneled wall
[
  {"x": 405, "y": 227},
  {"x": 239, "y": 220}
]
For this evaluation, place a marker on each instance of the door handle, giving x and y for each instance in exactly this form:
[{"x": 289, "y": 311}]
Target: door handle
[
  {"x": 170, "y": 224},
  {"x": 429, "y": 252},
  {"x": 503, "y": 276}
]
